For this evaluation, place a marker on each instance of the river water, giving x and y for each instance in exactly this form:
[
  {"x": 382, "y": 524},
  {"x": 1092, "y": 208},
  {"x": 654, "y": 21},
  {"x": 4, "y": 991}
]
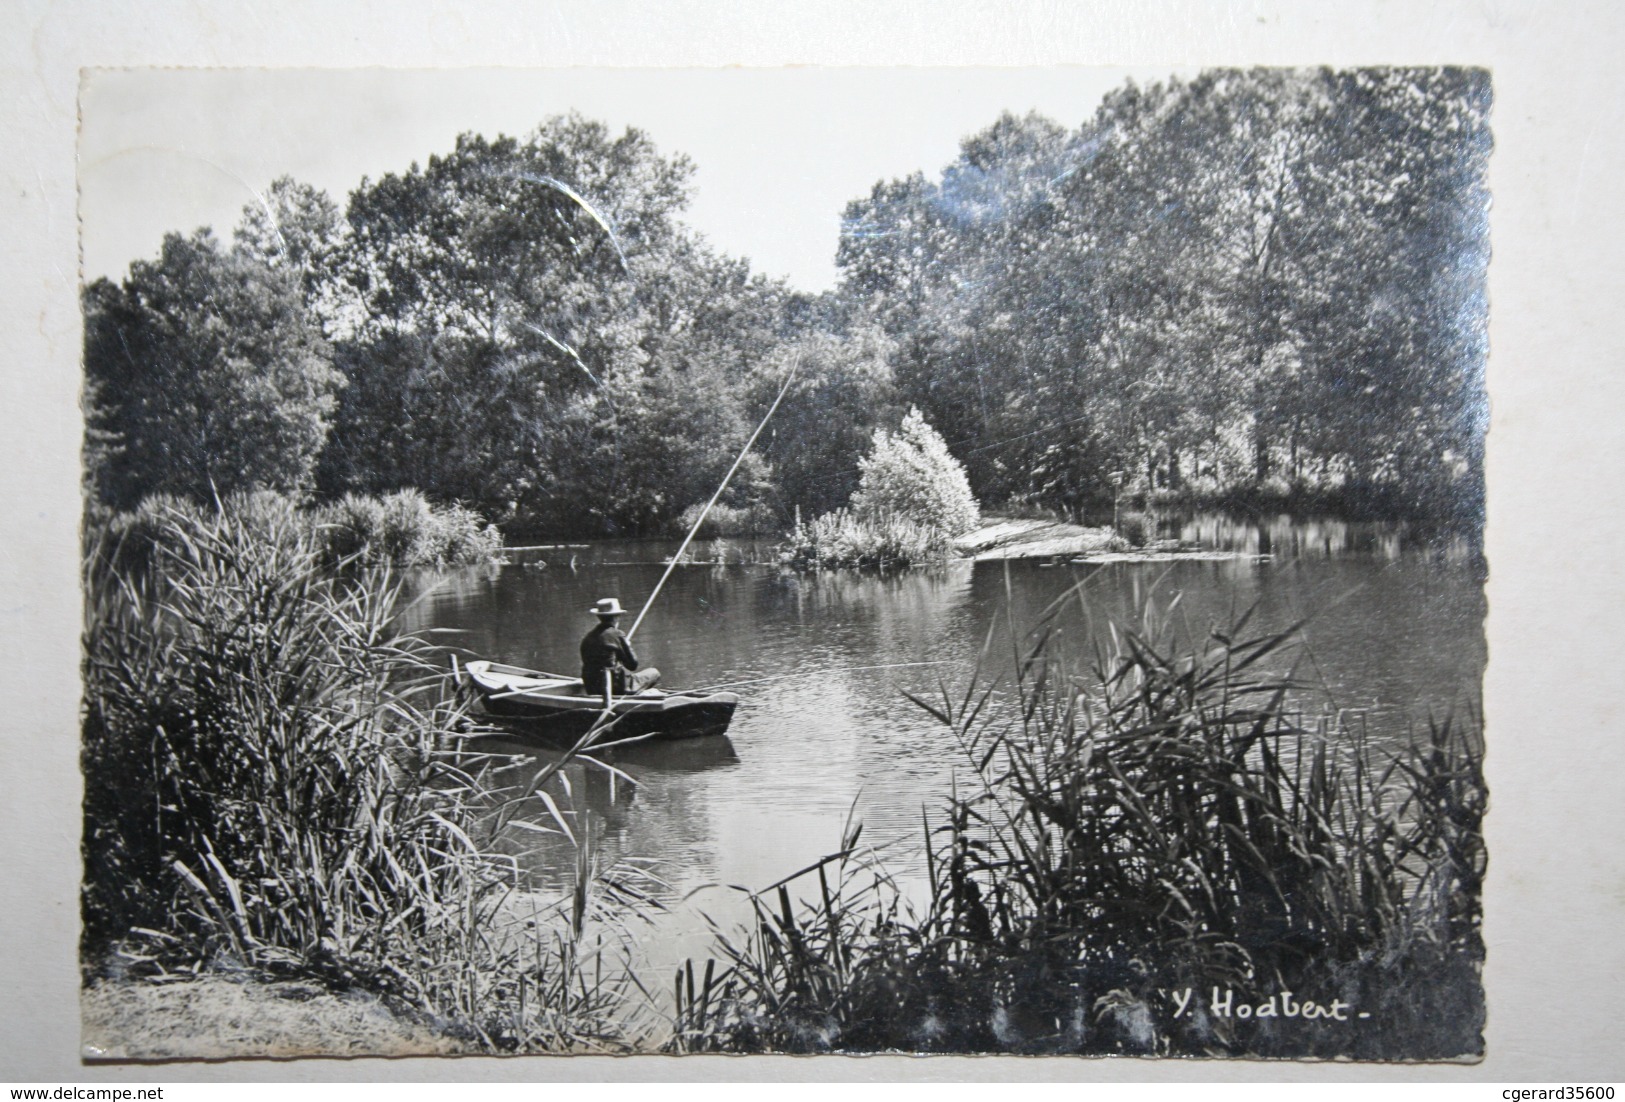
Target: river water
[{"x": 1392, "y": 631}]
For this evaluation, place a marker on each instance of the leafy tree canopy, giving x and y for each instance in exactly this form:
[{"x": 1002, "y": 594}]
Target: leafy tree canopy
[
  {"x": 1250, "y": 280},
  {"x": 205, "y": 374}
]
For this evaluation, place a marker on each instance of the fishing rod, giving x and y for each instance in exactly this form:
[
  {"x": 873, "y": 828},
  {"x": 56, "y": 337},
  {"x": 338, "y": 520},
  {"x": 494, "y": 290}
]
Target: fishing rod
[{"x": 795, "y": 363}]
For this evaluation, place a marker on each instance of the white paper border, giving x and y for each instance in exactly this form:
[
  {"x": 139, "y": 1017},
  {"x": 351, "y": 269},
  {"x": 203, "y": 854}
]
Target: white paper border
[{"x": 1556, "y": 894}]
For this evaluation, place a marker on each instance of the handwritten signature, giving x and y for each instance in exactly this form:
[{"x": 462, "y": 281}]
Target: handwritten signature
[{"x": 1224, "y": 1004}]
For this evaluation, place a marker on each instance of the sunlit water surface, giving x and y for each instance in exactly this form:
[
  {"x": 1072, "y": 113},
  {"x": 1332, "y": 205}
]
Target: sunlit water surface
[{"x": 1392, "y": 632}]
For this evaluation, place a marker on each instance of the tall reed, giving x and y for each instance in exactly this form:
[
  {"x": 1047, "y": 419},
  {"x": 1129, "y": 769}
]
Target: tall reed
[
  {"x": 1145, "y": 828},
  {"x": 265, "y": 791}
]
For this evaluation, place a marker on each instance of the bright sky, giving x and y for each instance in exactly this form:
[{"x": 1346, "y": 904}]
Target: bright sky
[{"x": 779, "y": 152}]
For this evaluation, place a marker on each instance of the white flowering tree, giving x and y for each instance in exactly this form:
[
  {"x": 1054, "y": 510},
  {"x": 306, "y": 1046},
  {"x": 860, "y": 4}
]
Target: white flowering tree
[{"x": 910, "y": 475}]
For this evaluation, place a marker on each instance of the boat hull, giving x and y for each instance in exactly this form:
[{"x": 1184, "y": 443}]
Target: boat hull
[
  {"x": 696, "y": 722},
  {"x": 547, "y": 705}
]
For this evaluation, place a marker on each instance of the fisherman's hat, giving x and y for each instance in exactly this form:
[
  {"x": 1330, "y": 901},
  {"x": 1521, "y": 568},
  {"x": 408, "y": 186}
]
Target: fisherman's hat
[{"x": 609, "y": 606}]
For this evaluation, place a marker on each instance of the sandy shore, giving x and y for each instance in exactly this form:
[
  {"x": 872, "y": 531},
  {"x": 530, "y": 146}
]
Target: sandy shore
[
  {"x": 1005, "y": 538},
  {"x": 217, "y": 1017}
]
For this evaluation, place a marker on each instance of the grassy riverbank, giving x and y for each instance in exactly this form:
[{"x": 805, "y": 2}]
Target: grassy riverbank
[
  {"x": 1154, "y": 854},
  {"x": 266, "y": 796}
]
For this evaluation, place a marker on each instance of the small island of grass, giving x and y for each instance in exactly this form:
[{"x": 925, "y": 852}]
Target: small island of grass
[{"x": 912, "y": 501}]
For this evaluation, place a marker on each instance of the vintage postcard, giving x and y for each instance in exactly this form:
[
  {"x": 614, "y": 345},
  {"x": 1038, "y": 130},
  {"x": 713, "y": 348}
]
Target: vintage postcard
[{"x": 785, "y": 561}]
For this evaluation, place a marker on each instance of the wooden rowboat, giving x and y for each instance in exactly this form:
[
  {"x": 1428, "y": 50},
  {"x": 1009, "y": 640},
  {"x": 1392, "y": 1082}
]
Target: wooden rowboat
[{"x": 553, "y": 705}]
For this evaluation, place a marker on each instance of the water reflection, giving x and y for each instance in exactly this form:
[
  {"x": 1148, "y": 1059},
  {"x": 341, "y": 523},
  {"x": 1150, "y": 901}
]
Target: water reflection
[
  {"x": 1392, "y": 632},
  {"x": 634, "y": 801},
  {"x": 1284, "y": 536}
]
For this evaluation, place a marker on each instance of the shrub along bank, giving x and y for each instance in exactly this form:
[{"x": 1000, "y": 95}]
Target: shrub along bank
[
  {"x": 266, "y": 793},
  {"x": 912, "y": 500},
  {"x": 843, "y": 538},
  {"x": 397, "y": 529}
]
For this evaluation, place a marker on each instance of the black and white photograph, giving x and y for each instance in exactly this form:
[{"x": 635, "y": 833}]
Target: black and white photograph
[
  {"x": 904, "y": 545},
  {"x": 804, "y": 561}
]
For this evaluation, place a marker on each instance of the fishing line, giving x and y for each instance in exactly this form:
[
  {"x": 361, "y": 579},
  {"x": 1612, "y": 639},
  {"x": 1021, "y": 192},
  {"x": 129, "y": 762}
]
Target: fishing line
[{"x": 795, "y": 364}]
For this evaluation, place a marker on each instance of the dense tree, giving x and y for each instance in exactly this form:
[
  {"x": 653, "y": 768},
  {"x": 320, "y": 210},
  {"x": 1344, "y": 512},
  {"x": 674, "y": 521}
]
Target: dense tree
[
  {"x": 1398, "y": 382},
  {"x": 1264, "y": 278},
  {"x": 543, "y": 337},
  {"x": 299, "y": 229},
  {"x": 205, "y": 374},
  {"x": 925, "y": 261},
  {"x": 841, "y": 392}
]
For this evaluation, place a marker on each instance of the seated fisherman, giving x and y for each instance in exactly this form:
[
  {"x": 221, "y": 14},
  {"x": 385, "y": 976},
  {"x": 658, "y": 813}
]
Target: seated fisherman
[{"x": 606, "y": 653}]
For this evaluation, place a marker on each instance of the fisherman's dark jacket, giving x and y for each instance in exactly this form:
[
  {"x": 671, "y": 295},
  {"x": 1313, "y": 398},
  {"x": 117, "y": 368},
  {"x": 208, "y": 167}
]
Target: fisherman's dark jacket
[{"x": 606, "y": 647}]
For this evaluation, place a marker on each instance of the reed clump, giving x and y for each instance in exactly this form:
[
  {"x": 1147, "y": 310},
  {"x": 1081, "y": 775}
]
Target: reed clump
[
  {"x": 404, "y": 529},
  {"x": 845, "y": 539},
  {"x": 266, "y": 793},
  {"x": 1153, "y": 838},
  {"x": 401, "y": 529}
]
